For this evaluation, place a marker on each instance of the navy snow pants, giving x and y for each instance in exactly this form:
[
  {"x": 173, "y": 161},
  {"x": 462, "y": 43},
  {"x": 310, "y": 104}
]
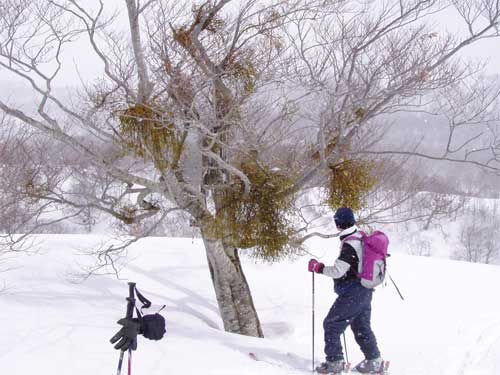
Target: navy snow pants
[{"x": 352, "y": 307}]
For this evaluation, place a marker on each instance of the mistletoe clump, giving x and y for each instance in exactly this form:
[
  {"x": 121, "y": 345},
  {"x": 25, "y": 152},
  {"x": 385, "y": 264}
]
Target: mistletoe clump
[
  {"x": 148, "y": 134},
  {"x": 245, "y": 72},
  {"x": 259, "y": 219},
  {"x": 349, "y": 182}
]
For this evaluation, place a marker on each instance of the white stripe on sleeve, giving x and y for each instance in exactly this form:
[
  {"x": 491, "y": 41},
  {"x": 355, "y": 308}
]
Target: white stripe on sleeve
[{"x": 338, "y": 269}]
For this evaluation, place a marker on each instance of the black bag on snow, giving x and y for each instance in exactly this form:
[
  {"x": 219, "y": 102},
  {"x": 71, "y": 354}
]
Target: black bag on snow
[{"x": 153, "y": 326}]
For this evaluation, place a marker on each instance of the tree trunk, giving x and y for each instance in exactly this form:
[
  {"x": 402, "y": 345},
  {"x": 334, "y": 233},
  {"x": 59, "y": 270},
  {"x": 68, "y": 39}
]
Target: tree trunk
[{"x": 231, "y": 289}]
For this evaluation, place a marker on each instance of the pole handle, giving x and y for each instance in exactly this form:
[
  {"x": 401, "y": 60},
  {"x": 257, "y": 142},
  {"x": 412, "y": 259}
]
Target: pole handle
[{"x": 130, "y": 300}]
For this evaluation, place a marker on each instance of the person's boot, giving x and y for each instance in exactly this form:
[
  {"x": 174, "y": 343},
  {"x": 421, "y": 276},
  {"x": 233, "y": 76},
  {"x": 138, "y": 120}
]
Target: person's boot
[
  {"x": 370, "y": 366},
  {"x": 331, "y": 367}
]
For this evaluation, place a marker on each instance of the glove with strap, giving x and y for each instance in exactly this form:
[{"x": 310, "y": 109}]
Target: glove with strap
[
  {"x": 315, "y": 266},
  {"x": 127, "y": 335}
]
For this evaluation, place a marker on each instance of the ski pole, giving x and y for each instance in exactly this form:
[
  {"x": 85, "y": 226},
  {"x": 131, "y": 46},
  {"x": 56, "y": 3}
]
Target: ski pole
[
  {"x": 395, "y": 286},
  {"x": 130, "y": 361},
  {"x": 312, "y": 322},
  {"x": 345, "y": 346},
  {"x": 130, "y": 312},
  {"x": 120, "y": 362}
]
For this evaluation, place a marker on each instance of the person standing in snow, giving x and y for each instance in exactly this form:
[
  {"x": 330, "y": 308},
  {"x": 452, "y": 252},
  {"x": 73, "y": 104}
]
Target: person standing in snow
[{"x": 353, "y": 304}]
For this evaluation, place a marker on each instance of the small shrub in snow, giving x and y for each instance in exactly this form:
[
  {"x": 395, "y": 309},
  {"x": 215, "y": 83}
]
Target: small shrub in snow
[
  {"x": 480, "y": 236},
  {"x": 419, "y": 246}
]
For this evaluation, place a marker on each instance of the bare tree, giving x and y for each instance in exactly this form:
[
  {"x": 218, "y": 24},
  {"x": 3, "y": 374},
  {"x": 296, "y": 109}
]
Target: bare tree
[
  {"x": 196, "y": 100},
  {"x": 479, "y": 236}
]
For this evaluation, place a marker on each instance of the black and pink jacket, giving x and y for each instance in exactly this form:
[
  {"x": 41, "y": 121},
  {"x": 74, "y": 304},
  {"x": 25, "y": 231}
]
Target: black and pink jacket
[{"x": 344, "y": 271}]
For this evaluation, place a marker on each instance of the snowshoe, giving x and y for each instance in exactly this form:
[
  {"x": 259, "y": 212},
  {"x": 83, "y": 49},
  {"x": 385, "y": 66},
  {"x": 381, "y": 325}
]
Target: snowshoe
[
  {"x": 333, "y": 367},
  {"x": 372, "y": 366}
]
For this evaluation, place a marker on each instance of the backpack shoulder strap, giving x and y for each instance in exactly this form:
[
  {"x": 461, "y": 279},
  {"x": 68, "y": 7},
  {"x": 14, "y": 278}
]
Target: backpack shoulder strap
[
  {"x": 359, "y": 236},
  {"x": 355, "y": 240}
]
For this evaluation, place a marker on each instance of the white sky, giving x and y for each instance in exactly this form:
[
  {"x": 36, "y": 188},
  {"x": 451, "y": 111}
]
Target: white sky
[{"x": 78, "y": 62}]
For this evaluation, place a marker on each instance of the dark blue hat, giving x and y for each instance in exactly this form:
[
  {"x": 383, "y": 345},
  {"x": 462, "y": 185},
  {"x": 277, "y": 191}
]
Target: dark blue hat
[{"x": 344, "y": 218}]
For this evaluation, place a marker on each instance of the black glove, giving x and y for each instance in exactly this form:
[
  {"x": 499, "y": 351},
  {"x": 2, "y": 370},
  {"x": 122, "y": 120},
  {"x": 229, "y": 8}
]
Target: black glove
[{"x": 127, "y": 335}]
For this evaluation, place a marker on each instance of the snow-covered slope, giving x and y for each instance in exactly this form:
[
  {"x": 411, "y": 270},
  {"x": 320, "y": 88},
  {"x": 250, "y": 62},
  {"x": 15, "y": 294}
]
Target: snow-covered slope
[{"x": 449, "y": 322}]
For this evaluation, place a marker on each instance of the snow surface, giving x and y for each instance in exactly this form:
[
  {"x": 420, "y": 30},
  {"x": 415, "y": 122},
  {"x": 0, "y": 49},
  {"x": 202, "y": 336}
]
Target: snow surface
[{"x": 449, "y": 322}]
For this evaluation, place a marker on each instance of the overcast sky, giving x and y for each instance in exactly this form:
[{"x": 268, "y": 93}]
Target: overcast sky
[{"x": 78, "y": 61}]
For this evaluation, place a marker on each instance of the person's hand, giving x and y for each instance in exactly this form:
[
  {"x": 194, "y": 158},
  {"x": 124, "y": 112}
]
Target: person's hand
[
  {"x": 127, "y": 336},
  {"x": 315, "y": 266}
]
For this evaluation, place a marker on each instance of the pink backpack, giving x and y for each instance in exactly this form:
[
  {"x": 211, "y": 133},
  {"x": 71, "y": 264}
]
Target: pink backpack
[{"x": 374, "y": 252}]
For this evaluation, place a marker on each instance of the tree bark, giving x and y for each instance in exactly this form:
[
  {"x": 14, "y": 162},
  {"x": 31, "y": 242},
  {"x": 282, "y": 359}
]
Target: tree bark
[{"x": 231, "y": 289}]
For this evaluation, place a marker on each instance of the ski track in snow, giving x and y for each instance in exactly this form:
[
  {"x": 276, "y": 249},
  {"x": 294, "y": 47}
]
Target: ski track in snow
[
  {"x": 447, "y": 325},
  {"x": 486, "y": 344}
]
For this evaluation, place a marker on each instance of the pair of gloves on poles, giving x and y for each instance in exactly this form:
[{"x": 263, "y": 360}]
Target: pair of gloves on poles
[{"x": 315, "y": 266}]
